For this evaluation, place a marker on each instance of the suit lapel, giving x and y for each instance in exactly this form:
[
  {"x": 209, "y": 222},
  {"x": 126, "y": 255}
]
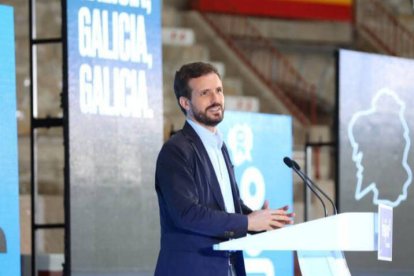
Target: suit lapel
[{"x": 202, "y": 155}]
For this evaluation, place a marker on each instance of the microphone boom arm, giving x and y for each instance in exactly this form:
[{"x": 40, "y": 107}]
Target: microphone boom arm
[
  {"x": 321, "y": 191},
  {"x": 311, "y": 187},
  {"x": 295, "y": 167}
]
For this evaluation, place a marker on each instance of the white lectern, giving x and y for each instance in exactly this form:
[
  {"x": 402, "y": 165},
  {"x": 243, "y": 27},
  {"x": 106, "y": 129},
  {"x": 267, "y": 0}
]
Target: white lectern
[{"x": 319, "y": 243}]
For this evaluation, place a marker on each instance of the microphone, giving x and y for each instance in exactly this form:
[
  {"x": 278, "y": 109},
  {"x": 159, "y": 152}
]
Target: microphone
[
  {"x": 293, "y": 165},
  {"x": 296, "y": 165}
]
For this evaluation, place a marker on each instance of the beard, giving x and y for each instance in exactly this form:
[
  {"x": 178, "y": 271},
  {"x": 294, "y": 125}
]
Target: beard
[{"x": 204, "y": 118}]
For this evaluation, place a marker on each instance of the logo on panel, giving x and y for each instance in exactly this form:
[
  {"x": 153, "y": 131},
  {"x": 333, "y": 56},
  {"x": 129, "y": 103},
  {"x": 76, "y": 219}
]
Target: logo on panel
[{"x": 385, "y": 118}]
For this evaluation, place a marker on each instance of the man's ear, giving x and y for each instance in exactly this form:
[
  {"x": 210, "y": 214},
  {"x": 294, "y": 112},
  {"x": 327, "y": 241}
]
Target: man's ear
[{"x": 184, "y": 103}]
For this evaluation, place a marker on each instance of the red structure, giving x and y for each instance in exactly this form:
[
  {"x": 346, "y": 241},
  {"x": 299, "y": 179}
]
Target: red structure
[{"x": 335, "y": 10}]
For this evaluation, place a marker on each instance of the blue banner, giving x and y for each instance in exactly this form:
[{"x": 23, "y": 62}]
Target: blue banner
[
  {"x": 257, "y": 144},
  {"x": 115, "y": 133},
  {"x": 114, "y": 50},
  {"x": 9, "y": 184}
]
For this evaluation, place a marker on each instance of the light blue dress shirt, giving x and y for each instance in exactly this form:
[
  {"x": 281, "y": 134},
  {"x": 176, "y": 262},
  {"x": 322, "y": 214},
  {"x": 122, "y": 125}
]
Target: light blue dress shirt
[{"x": 213, "y": 143}]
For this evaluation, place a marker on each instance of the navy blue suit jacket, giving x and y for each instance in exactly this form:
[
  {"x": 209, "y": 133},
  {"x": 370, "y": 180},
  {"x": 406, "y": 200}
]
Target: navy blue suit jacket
[{"x": 192, "y": 212}]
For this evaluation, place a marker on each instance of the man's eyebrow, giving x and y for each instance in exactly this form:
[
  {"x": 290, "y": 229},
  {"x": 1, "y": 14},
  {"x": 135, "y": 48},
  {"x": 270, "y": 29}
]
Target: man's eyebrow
[{"x": 204, "y": 90}]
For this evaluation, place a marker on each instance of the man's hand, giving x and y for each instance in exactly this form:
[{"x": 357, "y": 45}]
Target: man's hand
[{"x": 269, "y": 219}]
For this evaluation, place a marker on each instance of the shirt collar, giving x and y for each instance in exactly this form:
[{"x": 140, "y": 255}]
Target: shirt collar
[{"x": 206, "y": 136}]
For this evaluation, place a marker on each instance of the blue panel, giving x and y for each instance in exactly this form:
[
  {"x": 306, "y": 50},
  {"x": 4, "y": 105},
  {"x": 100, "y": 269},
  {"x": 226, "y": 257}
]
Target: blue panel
[
  {"x": 257, "y": 144},
  {"x": 9, "y": 191},
  {"x": 115, "y": 133}
]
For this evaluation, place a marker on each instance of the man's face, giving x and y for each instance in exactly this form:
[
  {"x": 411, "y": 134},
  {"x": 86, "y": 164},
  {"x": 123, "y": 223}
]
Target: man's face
[{"x": 207, "y": 100}]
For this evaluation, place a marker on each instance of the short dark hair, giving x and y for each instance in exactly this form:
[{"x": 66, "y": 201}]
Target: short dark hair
[{"x": 187, "y": 72}]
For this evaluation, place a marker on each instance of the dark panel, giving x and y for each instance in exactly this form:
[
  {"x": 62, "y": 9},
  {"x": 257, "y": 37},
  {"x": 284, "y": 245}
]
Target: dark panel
[{"x": 375, "y": 122}]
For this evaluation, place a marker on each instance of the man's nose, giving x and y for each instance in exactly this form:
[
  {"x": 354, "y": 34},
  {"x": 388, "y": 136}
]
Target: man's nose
[{"x": 215, "y": 97}]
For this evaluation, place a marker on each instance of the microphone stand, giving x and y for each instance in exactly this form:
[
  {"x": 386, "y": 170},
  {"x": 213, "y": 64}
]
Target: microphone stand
[
  {"x": 296, "y": 166},
  {"x": 311, "y": 187},
  {"x": 296, "y": 169}
]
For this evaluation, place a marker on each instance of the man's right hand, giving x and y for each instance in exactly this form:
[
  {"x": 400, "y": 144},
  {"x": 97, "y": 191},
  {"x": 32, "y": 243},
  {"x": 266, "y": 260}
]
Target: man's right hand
[{"x": 269, "y": 219}]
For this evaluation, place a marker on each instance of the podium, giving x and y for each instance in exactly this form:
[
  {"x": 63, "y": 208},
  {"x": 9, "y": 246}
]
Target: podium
[{"x": 319, "y": 243}]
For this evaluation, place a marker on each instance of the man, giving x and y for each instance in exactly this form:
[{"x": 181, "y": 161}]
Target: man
[{"x": 197, "y": 192}]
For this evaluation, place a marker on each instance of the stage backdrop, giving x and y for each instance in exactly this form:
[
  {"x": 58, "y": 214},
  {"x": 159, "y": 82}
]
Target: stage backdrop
[
  {"x": 376, "y": 119},
  {"x": 9, "y": 183},
  {"x": 115, "y": 133},
  {"x": 257, "y": 144}
]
